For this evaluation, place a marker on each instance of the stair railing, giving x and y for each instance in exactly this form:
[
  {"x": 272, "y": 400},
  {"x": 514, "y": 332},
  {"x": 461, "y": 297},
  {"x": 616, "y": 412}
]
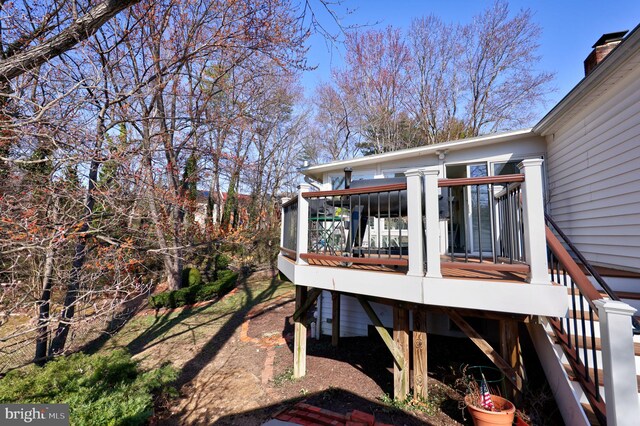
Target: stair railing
[
  {"x": 592, "y": 271},
  {"x": 576, "y": 332}
]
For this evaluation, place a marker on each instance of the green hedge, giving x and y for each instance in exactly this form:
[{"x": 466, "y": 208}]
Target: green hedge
[
  {"x": 196, "y": 293},
  {"x": 101, "y": 389},
  {"x": 222, "y": 262},
  {"x": 191, "y": 276}
]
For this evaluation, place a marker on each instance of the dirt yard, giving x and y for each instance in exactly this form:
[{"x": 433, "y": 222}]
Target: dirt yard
[{"x": 235, "y": 358}]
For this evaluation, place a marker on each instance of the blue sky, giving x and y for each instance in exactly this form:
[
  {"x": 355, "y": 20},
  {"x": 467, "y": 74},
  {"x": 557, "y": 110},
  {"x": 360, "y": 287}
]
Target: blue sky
[{"x": 569, "y": 29}]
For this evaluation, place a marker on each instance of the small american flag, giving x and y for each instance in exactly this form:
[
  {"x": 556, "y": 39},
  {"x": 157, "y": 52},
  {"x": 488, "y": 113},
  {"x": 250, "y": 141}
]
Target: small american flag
[{"x": 485, "y": 397}]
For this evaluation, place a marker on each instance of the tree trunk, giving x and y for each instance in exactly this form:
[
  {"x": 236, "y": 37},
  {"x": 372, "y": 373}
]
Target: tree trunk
[
  {"x": 80, "y": 255},
  {"x": 79, "y": 30},
  {"x": 44, "y": 307}
]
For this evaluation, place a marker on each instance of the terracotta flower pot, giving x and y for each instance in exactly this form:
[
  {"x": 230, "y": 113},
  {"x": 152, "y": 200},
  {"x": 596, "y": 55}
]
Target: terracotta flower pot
[{"x": 482, "y": 417}]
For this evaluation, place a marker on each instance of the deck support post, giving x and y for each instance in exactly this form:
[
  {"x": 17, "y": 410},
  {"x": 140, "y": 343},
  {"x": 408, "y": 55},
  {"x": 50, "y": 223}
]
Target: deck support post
[
  {"x": 401, "y": 340},
  {"x": 432, "y": 221},
  {"x": 485, "y": 347},
  {"x": 618, "y": 359},
  {"x": 300, "y": 336},
  {"x": 420, "y": 385},
  {"x": 311, "y": 297},
  {"x": 511, "y": 352},
  {"x": 302, "y": 238},
  {"x": 533, "y": 218},
  {"x": 335, "y": 318},
  {"x": 414, "y": 225}
]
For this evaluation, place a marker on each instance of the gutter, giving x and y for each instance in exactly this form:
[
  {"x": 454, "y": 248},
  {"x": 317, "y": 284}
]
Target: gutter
[{"x": 418, "y": 151}]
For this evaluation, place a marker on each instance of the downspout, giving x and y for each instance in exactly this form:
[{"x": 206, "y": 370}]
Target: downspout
[{"x": 311, "y": 182}]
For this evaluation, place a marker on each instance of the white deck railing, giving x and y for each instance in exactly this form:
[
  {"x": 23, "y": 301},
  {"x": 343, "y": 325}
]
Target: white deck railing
[{"x": 354, "y": 226}]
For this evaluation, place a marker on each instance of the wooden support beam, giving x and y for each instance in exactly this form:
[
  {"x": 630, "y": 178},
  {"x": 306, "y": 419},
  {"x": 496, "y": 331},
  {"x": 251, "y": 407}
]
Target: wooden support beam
[
  {"x": 335, "y": 318},
  {"x": 420, "y": 388},
  {"x": 311, "y": 299},
  {"x": 511, "y": 352},
  {"x": 486, "y": 348},
  {"x": 401, "y": 339},
  {"x": 397, "y": 353},
  {"x": 300, "y": 337},
  {"x": 464, "y": 312}
]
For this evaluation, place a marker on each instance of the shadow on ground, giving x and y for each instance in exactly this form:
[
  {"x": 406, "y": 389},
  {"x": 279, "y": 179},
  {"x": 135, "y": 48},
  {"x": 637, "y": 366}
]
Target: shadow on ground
[
  {"x": 446, "y": 358},
  {"x": 336, "y": 400}
]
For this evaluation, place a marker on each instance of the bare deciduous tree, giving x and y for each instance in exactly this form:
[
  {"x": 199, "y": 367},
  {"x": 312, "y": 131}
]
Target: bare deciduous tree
[{"x": 440, "y": 81}]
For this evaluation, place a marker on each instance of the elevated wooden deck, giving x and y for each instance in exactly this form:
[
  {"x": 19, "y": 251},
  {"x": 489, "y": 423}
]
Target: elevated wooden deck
[{"x": 472, "y": 270}]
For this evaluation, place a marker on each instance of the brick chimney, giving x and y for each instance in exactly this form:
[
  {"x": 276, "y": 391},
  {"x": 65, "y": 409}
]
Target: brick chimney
[{"x": 601, "y": 49}]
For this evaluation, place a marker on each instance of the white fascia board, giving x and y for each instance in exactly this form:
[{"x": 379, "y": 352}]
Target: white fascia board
[
  {"x": 287, "y": 267},
  {"x": 498, "y": 296},
  {"x": 622, "y": 54},
  {"x": 369, "y": 283},
  {"x": 315, "y": 172}
]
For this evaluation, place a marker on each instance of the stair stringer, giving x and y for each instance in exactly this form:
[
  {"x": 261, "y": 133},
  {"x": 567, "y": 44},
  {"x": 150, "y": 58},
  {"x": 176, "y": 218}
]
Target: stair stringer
[{"x": 566, "y": 398}]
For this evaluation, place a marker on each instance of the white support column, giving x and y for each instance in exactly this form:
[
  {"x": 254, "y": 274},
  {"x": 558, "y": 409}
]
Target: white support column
[
  {"x": 618, "y": 359},
  {"x": 533, "y": 217},
  {"x": 432, "y": 218},
  {"x": 303, "y": 223},
  {"x": 414, "y": 226},
  {"x": 283, "y": 201}
]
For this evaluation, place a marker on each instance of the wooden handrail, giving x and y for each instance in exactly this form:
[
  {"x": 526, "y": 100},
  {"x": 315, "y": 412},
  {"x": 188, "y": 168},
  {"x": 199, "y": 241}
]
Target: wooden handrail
[
  {"x": 288, "y": 252},
  {"x": 359, "y": 260},
  {"x": 579, "y": 370},
  {"x": 486, "y": 180},
  {"x": 356, "y": 191},
  {"x": 575, "y": 272}
]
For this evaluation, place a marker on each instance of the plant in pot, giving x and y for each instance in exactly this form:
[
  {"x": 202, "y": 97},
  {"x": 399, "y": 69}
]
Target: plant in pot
[{"x": 485, "y": 407}]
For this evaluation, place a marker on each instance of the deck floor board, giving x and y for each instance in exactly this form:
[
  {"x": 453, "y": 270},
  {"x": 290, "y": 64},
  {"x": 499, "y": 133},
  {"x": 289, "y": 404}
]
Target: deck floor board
[{"x": 447, "y": 272}]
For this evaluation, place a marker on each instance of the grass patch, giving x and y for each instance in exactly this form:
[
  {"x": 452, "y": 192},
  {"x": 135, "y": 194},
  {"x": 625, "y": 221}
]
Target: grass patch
[
  {"x": 105, "y": 389},
  {"x": 430, "y": 405},
  {"x": 285, "y": 377},
  {"x": 172, "y": 336}
]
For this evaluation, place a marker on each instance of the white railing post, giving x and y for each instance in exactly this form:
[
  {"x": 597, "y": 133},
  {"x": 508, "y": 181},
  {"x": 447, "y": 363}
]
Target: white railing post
[
  {"x": 533, "y": 217},
  {"x": 283, "y": 201},
  {"x": 432, "y": 220},
  {"x": 414, "y": 226},
  {"x": 302, "y": 243},
  {"x": 618, "y": 359}
]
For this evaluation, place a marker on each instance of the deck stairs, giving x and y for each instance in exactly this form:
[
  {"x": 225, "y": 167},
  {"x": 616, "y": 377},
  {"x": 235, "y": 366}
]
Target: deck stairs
[
  {"x": 570, "y": 348},
  {"x": 575, "y": 387}
]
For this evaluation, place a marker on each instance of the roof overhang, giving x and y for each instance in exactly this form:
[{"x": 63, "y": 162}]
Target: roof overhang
[
  {"x": 622, "y": 59},
  {"x": 316, "y": 172}
]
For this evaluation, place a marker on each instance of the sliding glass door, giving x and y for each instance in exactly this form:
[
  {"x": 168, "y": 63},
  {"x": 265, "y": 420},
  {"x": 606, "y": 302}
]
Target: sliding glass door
[
  {"x": 479, "y": 216},
  {"x": 470, "y": 230}
]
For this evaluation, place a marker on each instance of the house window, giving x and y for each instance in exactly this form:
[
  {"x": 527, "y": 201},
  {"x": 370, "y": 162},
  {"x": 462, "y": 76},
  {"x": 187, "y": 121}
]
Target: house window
[
  {"x": 506, "y": 168},
  {"x": 337, "y": 182},
  {"x": 393, "y": 173},
  {"x": 394, "y": 223},
  {"x": 396, "y": 241}
]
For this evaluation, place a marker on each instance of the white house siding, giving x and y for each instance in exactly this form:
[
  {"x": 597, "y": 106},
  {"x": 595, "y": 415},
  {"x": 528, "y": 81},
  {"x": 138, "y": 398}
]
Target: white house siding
[
  {"x": 593, "y": 166},
  {"x": 353, "y": 320}
]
